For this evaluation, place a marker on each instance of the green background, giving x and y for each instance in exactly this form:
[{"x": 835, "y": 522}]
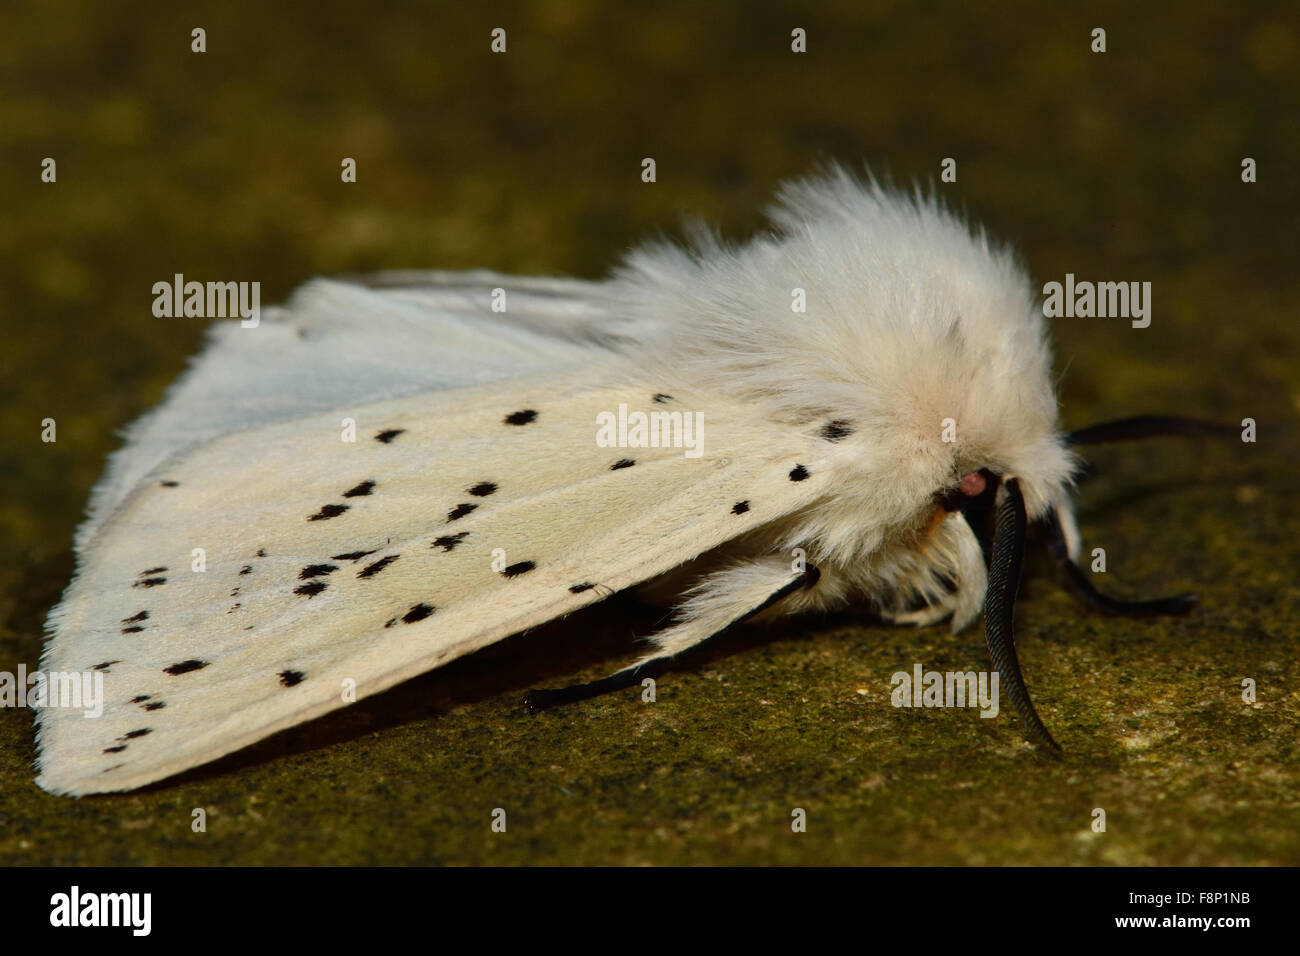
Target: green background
[{"x": 1123, "y": 166}]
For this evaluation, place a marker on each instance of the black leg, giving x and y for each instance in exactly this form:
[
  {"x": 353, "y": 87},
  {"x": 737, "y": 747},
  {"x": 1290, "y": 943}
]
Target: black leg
[{"x": 542, "y": 698}]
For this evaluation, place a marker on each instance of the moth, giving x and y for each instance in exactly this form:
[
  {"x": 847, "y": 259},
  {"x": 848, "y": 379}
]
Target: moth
[{"x": 854, "y": 408}]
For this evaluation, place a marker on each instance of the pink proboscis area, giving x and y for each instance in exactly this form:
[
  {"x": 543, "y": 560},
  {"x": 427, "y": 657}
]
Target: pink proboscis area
[{"x": 972, "y": 484}]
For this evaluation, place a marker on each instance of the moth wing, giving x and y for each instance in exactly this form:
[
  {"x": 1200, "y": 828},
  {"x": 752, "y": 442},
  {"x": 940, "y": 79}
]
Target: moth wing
[
  {"x": 316, "y": 353},
  {"x": 457, "y": 518},
  {"x": 575, "y": 309}
]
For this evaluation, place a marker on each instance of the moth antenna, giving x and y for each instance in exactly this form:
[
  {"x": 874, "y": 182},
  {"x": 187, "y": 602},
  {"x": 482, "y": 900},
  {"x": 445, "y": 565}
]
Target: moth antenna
[
  {"x": 1175, "y": 604},
  {"x": 1146, "y": 426},
  {"x": 1000, "y": 608}
]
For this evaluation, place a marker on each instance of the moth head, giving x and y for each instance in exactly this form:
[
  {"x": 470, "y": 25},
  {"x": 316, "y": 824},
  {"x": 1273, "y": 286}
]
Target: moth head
[{"x": 993, "y": 505}]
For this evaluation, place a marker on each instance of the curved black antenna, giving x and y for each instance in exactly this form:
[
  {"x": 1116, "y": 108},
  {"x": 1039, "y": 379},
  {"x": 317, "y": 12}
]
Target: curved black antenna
[
  {"x": 1146, "y": 426},
  {"x": 1175, "y": 604},
  {"x": 1000, "y": 608}
]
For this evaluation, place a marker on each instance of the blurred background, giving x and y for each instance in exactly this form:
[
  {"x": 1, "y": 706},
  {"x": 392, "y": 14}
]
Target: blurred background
[{"x": 1123, "y": 165}]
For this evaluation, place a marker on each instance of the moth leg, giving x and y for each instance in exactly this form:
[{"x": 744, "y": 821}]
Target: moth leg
[
  {"x": 963, "y": 562},
  {"x": 726, "y": 598},
  {"x": 1064, "y": 541},
  {"x": 926, "y": 616},
  {"x": 1147, "y": 426}
]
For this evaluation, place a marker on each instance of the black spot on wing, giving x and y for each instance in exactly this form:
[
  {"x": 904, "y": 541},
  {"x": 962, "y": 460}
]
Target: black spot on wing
[
  {"x": 246, "y": 569},
  {"x": 185, "y": 667},
  {"x": 836, "y": 430},
  {"x": 289, "y": 678},
  {"x": 362, "y": 489},
  {"x": 418, "y": 613},
  {"x": 661, "y": 398},
  {"x": 114, "y": 750},
  {"x": 483, "y": 489},
  {"x": 105, "y": 666},
  {"x": 579, "y": 588},
  {"x": 370, "y": 570},
  {"x": 351, "y": 556},
  {"x": 514, "y": 570},
  {"x": 523, "y": 417},
  {"x": 316, "y": 571},
  {"x": 389, "y": 434},
  {"x": 134, "y": 618},
  {"x": 460, "y": 511},
  {"x": 133, "y": 734},
  {"x": 622, "y": 463},
  {"x": 136, "y": 629},
  {"x": 140, "y": 699},
  {"x": 156, "y": 705},
  {"x": 261, "y": 552},
  {"x": 169, "y": 484},
  {"x": 148, "y": 581},
  {"x": 740, "y": 507},
  {"x": 328, "y": 511},
  {"x": 449, "y": 541},
  {"x": 798, "y": 473},
  {"x": 311, "y": 589}
]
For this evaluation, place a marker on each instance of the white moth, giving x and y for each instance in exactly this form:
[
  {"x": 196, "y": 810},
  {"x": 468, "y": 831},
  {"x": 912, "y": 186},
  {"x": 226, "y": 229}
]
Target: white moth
[{"x": 899, "y": 431}]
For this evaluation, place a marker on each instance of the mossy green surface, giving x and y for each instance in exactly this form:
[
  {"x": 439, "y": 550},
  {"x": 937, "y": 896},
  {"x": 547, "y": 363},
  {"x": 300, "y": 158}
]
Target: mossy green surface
[{"x": 1124, "y": 165}]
